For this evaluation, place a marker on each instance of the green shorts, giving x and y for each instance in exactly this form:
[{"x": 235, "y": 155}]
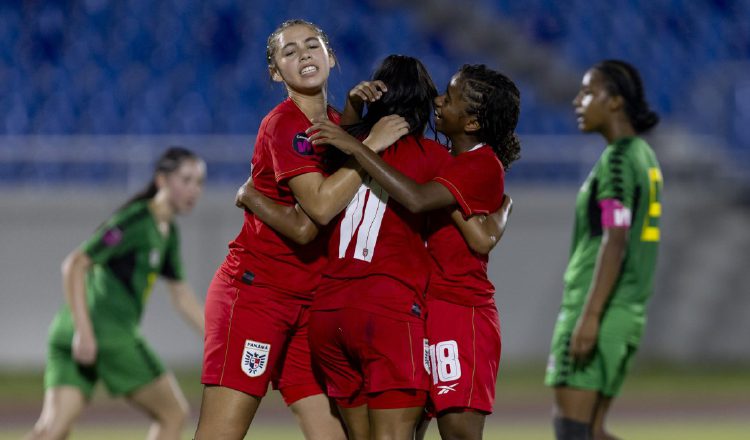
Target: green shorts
[
  {"x": 619, "y": 337},
  {"x": 123, "y": 367}
]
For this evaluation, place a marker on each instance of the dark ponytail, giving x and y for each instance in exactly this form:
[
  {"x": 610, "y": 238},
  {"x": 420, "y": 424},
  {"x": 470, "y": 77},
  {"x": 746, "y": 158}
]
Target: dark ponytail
[
  {"x": 496, "y": 102},
  {"x": 167, "y": 163},
  {"x": 622, "y": 79},
  {"x": 411, "y": 92}
]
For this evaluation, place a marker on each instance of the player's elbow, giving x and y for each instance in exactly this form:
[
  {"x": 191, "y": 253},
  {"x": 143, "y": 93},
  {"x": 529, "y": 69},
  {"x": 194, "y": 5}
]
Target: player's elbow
[
  {"x": 305, "y": 233},
  {"x": 416, "y": 205},
  {"x": 483, "y": 245},
  {"x": 71, "y": 261},
  {"x": 321, "y": 213}
]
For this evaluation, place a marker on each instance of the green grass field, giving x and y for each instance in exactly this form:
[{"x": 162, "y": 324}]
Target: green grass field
[{"x": 657, "y": 403}]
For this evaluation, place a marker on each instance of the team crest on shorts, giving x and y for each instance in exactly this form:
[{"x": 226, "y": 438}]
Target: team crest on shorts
[
  {"x": 255, "y": 358},
  {"x": 302, "y": 145}
]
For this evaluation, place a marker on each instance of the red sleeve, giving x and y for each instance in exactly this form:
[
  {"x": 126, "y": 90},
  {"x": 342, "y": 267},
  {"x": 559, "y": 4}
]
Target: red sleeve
[
  {"x": 292, "y": 154},
  {"x": 476, "y": 181}
]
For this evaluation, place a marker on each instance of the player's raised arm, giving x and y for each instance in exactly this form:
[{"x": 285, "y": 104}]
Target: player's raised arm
[{"x": 412, "y": 195}]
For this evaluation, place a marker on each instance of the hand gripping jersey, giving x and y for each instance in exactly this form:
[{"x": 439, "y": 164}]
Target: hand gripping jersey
[
  {"x": 459, "y": 275},
  {"x": 628, "y": 172},
  {"x": 128, "y": 253},
  {"x": 375, "y": 235},
  {"x": 259, "y": 253}
]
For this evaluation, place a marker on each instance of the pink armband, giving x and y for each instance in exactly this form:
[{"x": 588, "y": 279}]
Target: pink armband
[{"x": 614, "y": 214}]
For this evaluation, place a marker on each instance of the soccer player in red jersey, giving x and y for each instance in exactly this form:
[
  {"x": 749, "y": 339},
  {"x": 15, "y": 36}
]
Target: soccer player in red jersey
[
  {"x": 478, "y": 113},
  {"x": 257, "y": 305},
  {"x": 367, "y": 325}
]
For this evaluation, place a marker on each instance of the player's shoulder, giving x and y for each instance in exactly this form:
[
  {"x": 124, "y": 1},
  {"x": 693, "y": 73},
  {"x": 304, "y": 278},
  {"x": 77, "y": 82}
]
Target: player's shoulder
[
  {"x": 432, "y": 144},
  {"x": 285, "y": 110},
  {"x": 131, "y": 213}
]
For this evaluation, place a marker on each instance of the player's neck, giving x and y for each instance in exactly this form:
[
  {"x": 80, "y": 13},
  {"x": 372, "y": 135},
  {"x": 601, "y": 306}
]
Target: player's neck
[
  {"x": 463, "y": 143},
  {"x": 618, "y": 128},
  {"x": 315, "y": 107},
  {"x": 161, "y": 210}
]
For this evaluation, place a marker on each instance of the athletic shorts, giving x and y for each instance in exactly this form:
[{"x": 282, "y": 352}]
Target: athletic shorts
[
  {"x": 254, "y": 337},
  {"x": 123, "y": 367},
  {"x": 619, "y": 335},
  {"x": 464, "y": 355},
  {"x": 361, "y": 354}
]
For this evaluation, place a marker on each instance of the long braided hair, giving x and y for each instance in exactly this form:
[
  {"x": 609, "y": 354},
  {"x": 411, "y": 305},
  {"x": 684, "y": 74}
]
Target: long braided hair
[
  {"x": 495, "y": 101},
  {"x": 622, "y": 79}
]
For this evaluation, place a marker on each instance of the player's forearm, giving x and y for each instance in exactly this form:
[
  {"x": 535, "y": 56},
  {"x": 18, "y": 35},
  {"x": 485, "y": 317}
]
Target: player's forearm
[
  {"x": 606, "y": 272},
  {"x": 401, "y": 188},
  {"x": 334, "y": 193},
  {"x": 74, "y": 269},
  {"x": 286, "y": 220},
  {"x": 190, "y": 308},
  {"x": 474, "y": 233},
  {"x": 351, "y": 114}
]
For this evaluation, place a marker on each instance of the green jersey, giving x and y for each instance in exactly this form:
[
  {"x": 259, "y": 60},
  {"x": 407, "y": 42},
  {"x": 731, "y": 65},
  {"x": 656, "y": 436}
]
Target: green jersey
[
  {"x": 128, "y": 253},
  {"x": 628, "y": 172}
]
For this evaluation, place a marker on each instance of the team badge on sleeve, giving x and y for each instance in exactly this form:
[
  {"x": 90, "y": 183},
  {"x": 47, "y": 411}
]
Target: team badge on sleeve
[
  {"x": 255, "y": 358},
  {"x": 302, "y": 145},
  {"x": 112, "y": 237}
]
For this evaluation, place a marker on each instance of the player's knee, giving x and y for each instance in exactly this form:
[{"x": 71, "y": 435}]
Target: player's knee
[
  {"x": 457, "y": 428},
  {"x": 48, "y": 432},
  {"x": 174, "y": 415},
  {"x": 569, "y": 429}
]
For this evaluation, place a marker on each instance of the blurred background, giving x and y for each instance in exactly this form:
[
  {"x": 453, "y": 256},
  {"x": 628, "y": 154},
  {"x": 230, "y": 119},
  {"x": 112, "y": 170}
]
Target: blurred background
[{"x": 92, "y": 91}]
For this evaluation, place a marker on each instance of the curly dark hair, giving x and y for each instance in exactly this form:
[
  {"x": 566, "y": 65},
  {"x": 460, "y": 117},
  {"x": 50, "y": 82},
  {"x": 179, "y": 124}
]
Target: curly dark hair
[
  {"x": 622, "y": 79},
  {"x": 496, "y": 102}
]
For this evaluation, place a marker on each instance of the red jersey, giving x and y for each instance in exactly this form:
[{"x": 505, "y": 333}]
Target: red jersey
[
  {"x": 459, "y": 275},
  {"x": 375, "y": 235},
  {"x": 282, "y": 151}
]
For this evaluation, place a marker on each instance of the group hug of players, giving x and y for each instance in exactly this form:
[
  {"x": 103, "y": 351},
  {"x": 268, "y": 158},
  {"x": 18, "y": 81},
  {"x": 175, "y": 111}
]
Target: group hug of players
[{"x": 358, "y": 284}]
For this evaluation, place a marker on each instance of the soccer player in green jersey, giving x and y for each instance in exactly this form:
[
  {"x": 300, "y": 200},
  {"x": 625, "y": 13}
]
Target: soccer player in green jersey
[
  {"x": 611, "y": 267},
  {"x": 107, "y": 280}
]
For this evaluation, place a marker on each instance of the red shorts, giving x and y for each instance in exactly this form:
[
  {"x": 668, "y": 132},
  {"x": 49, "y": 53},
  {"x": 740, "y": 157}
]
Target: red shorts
[
  {"x": 361, "y": 354},
  {"x": 254, "y": 337},
  {"x": 464, "y": 355}
]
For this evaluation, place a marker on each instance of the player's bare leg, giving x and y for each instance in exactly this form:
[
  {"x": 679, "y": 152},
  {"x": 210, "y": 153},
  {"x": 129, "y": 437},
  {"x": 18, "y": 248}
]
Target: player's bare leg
[
  {"x": 62, "y": 407},
  {"x": 394, "y": 424},
  {"x": 357, "y": 422},
  {"x": 318, "y": 418},
  {"x": 597, "y": 428},
  {"x": 464, "y": 425},
  {"x": 422, "y": 425},
  {"x": 164, "y": 402},
  {"x": 574, "y": 412},
  {"x": 225, "y": 413}
]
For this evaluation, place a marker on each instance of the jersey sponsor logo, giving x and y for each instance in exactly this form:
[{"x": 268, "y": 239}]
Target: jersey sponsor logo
[
  {"x": 302, "y": 145},
  {"x": 112, "y": 237},
  {"x": 255, "y": 358},
  {"x": 445, "y": 389}
]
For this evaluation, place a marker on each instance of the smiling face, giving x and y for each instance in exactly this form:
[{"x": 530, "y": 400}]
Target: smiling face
[
  {"x": 593, "y": 104},
  {"x": 451, "y": 118},
  {"x": 184, "y": 185},
  {"x": 301, "y": 59}
]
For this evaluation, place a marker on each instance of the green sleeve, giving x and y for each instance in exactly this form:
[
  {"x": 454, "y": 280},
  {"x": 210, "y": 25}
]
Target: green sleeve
[
  {"x": 111, "y": 239},
  {"x": 615, "y": 176},
  {"x": 172, "y": 268}
]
